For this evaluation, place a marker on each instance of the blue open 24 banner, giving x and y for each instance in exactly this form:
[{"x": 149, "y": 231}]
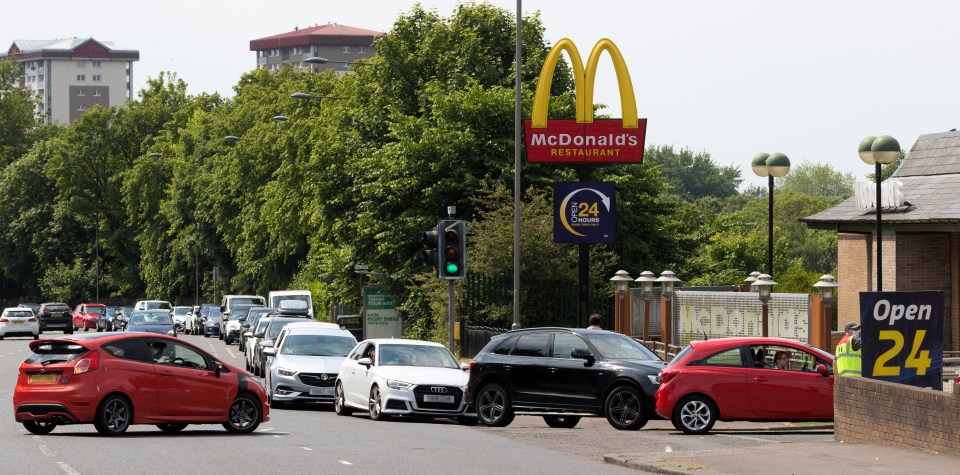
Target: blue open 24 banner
[
  {"x": 583, "y": 212},
  {"x": 902, "y": 336}
]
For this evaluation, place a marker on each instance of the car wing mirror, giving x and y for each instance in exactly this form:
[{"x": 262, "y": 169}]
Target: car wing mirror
[
  {"x": 365, "y": 361},
  {"x": 822, "y": 369},
  {"x": 258, "y": 335},
  {"x": 248, "y": 334},
  {"x": 217, "y": 369},
  {"x": 270, "y": 351},
  {"x": 583, "y": 354},
  {"x": 464, "y": 366},
  {"x": 266, "y": 344}
]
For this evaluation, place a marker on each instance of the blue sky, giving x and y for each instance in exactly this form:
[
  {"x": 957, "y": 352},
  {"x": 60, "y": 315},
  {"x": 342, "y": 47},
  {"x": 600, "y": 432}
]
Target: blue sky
[{"x": 808, "y": 79}]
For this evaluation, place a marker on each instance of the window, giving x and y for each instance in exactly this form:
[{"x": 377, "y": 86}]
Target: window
[
  {"x": 360, "y": 50},
  {"x": 81, "y": 77},
  {"x": 505, "y": 346},
  {"x": 174, "y": 354},
  {"x": 80, "y": 93},
  {"x": 129, "y": 349},
  {"x": 96, "y": 64},
  {"x": 346, "y": 50},
  {"x": 96, "y": 77},
  {"x": 81, "y": 108},
  {"x": 96, "y": 93},
  {"x": 785, "y": 358},
  {"x": 534, "y": 344},
  {"x": 729, "y": 357},
  {"x": 564, "y": 344},
  {"x": 81, "y": 64}
]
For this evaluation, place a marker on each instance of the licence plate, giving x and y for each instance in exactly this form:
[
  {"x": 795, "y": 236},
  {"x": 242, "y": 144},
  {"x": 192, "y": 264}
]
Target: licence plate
[
  {"x": 438, "y": 398},
  {"x": 321, "y": 391},
  {"x": 43, "y": 378},
  {"x": 17, "y": 322}
]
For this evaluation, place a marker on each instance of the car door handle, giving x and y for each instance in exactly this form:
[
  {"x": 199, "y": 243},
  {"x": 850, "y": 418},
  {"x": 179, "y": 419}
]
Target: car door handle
[
  {"x": 507, "y": 367},
  {"x": 166, "y": 373},
  {"x": 760, "y": 379},
  {"x": 552, "y": 370}
]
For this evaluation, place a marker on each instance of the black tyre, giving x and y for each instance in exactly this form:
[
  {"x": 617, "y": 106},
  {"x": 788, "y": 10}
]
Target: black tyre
[
  {"x": 244, "y": 416},
  {"x": 36, "y": 337},
  {"x": 220, "y": 335},
  {"x": 340, "y": 401},
  {"x": 172, "y": 427},
  {"x": 68, "y": 332},
  {"x": 493, "y": 406},
  {"x": 376, "y": 405},
  {"x": 39, "y": 427},
  {"x": 562, "y": 422},
  {"x": 625, "y": 408},
  {"x": 467, "y": 421},
  {"x": 695, "y": 415},
  {"x": 227, "y": 340},
  {"x": 1, "y": 337},
  {"x": 114, "y": 415}
]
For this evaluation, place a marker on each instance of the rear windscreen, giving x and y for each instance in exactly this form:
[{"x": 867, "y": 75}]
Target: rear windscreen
[
  {"x": 94, "y": 310},
  {"x": 55, "y": 353},
  {"x": 56, "y": 308}
]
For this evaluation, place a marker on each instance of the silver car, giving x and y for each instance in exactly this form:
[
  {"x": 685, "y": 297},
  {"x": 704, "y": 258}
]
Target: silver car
[{"x": 305, "y": 362}]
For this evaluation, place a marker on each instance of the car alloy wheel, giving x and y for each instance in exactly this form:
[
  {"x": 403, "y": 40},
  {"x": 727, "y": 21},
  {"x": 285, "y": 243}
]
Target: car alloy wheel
[
  {"x": 113, "y": 416},
  {"x": 625, "y": 409},
  {"x": 244, "y": 416},
  {"x": 340, "y": 401},
  {"x": 493, "y": 406},
  {"x": 376, "y": 405},
  {"x": 172, "y": 427},
  {"x": 562, "y": 422},
  {"x": 695, "y": 415},
  {"x": 39, "y": 427}
]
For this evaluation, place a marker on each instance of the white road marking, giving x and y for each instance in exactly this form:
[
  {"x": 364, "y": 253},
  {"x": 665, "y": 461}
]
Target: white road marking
[
  {"x": 68, "y": 469},
  {"x": 755, "y": 439},
  {"x": 345, "y": 462},
  {"x": 277, "y": 436},
  {"x": 308, "y": 449},
  {"x": 231, "y": 353},
  {"x": 45, "y": 450}
]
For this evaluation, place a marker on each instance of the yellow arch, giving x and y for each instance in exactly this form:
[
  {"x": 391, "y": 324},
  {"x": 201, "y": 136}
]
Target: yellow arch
[{"x": 583, "y": 82}]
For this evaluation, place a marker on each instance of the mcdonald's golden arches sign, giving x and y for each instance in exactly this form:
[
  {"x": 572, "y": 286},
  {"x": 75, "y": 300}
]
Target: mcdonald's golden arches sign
[{"x": 585, "y": 140}]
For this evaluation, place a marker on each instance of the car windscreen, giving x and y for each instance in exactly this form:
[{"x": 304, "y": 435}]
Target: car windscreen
[
  {"x": 252, "y": 301},
  {"x": 181, "y": 310},
  {"x": 19, "y": 314},
  {"x": 262, "y": 325},
  {"x": 158, "y": 306},
  {"x": 317, "y": 345},
  {"x": 213, "y": 317},
  {"x": 417, "y": 355},
  {"x": 56, "y": 352},
  {"x": 276, "y": 325},
  {"x": 619, "y": 347},
  {"x": 150, "y": 318}
]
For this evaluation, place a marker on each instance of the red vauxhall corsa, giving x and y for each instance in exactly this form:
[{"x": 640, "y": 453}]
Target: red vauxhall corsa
[
  {"x": 113, "y": 380},
  {"x": 86, "y": 314},
  {"x": 745, "y": 379}
]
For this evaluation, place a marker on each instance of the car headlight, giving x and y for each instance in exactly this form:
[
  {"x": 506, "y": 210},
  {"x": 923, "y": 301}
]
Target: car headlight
[
  {"x": 286, "y": 372},
  {"x": 401, "y": 385},
  {"x": 172, "y": 333}
]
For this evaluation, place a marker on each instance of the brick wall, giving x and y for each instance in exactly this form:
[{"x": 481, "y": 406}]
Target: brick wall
[
  {"x": 878, "y": 412},
  {"x": 854, "y": 272},
  {"x": 924, "y": 263}
]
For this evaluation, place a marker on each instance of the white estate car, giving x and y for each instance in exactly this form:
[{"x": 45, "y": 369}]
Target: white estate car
[
  {"x": 19, "y": 321},
  {"x": 304, "y": 362},
  {"x": 402, "y": 377}
]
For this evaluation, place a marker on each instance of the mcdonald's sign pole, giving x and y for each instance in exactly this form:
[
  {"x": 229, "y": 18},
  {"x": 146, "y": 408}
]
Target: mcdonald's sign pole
[{"x": 585, "y": 143}]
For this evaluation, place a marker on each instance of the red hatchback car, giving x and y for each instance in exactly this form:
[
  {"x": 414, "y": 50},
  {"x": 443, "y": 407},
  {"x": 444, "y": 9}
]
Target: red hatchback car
[
  {"x": 745, "y": 379},
  {"x": 113, "y": 380},
  {"x": 86, "y": 314}
]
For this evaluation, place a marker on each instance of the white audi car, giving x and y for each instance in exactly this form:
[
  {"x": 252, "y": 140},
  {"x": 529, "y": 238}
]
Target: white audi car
[
  {"x": 19, "y": 321},
  {"x": 304, "y": 363},
  {"x": 388, "y": 377}
]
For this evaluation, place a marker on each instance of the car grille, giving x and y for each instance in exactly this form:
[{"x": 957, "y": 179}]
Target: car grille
[
  {"x": 316, "y": 379},
  {"x": 454, "y": 391}
]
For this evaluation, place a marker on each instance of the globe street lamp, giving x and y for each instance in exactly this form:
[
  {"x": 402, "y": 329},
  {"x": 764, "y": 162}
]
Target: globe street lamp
[
  {"x": 622, "y": 280},
  {"x": 764, "y": 285},
  {"x": 304, "y": 95},
  {"x": 770, "y": 165},
  {"x": 646, "y": 280},
  {"x": 879, "y": 151}
]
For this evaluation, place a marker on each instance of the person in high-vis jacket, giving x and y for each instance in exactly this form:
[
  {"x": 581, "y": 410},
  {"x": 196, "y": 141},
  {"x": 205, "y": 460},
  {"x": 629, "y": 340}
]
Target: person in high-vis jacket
[{"x": 847, "y": 361}]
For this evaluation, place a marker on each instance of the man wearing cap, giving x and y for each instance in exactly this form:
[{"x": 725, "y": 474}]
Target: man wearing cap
[{"x": 848, "y": 352}]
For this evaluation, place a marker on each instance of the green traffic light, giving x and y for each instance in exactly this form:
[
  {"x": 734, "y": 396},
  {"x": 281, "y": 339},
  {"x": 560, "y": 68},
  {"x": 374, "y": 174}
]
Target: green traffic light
[{"x": 452, "y": 268}]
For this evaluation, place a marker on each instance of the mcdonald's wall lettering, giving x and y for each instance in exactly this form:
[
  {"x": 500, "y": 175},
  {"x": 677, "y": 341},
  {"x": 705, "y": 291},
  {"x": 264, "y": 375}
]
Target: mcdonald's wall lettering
[{"x": 585, "y": 140}]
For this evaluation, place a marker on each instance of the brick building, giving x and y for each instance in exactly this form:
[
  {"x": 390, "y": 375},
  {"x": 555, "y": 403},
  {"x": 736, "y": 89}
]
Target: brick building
[
  {"x": 921, "y": 238},
  {"x": 341, "y": 45}
]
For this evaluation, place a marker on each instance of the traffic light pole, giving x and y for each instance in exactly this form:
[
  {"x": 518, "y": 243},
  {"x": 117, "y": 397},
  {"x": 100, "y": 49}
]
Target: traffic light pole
[{"x": 450, "y": 310}]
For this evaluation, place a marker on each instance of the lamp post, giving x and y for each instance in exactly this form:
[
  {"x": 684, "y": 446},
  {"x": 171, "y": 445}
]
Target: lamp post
[
  {"x": 879, "y": 151},
  {"x": 826, "y": 284},
  {"x": 764, "y": 285},
  {"x": 770, "y": 166},
  {"x": 667, "y": 281},
  {"x": 646, "y": 280},
  {"x": 622, "y": 280},
  {"x": 749, "y": 281},
  {"x": 319, "y": 60},
  {"x": 304, "y": 95}
]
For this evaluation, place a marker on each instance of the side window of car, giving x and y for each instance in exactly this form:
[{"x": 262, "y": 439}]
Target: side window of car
[
  {"x": 533, "y": 344},
  {"x": 730, "y": 357},
  {"x": 174, "y": 354},
  {"x": 356, "y": 355},
  {"x": 128, "y": 349},
  {"x": 565, "y": 343},
  {"x": 506, "y": 344}
]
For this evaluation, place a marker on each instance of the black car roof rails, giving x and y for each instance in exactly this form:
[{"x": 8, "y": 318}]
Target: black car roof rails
[{"x": 520, "y": 330}]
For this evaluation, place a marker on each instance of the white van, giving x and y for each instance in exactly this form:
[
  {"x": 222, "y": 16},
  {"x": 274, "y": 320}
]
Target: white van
[
  {"x": 226, "y": 306},
  {"x": 275, "y": 297},
  {"x": 152, "y": 305}
]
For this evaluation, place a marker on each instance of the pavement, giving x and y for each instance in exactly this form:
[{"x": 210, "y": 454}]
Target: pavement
[{"x": 807, "y": 457}]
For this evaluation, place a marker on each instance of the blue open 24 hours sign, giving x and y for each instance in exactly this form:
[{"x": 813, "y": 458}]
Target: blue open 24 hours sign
[
  {"x": 903, "y": 337},
  {"x": 583, "y": 212}
]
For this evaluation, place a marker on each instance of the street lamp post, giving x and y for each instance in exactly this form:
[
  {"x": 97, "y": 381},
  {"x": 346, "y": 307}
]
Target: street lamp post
[
  {"x": 770, "y": 166},
  {"x": 826, "y": 284},
  {"x": 749, "y": 281},
  {"x": 879, "y": 151},
  {"x": 646, "y": 280},
  {"x": 764, "y": 285},
  {"x": 622, "y": 280},
  {"x": 304, "y": 95},
  {"x": 667, "y": 280}
]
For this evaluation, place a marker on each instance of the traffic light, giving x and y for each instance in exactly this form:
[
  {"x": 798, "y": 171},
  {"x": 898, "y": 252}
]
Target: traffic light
[
  {"x": 431, "y": 240},
  {"x": 453, "y": 243}
]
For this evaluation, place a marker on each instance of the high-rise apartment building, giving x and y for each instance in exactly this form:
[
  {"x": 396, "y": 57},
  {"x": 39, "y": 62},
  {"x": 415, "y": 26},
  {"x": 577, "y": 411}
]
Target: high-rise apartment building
[
  {"x": 72, "y": 75},
  {"x": 340, "y": 45}
]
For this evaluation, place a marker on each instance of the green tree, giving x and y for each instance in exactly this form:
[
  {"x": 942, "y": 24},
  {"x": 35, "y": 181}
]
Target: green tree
[
  {"x": 693, "y": 176},
  {"x": 17, "y": 108}
]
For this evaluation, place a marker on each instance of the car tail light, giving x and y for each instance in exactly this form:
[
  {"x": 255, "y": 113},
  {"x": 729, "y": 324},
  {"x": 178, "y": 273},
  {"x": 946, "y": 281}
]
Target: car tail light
[
  {"x": 88, "y": 363},
  {"x": 666, "y": 376},
  {"x": 31, "y": 319},
  {"x": 472, "y": 362},
  {"x": 4, "y": 320}
]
